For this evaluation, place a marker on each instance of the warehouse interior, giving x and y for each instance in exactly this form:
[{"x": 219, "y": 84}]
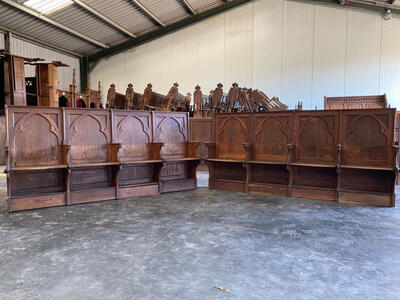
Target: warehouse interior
[{"x": 199, "y": 149}]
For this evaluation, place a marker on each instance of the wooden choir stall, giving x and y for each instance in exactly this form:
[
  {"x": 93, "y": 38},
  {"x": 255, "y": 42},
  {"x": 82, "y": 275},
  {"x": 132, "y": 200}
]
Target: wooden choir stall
[
  {"x": 338, "y": 155},
  {"x": 63, "y": 156}
]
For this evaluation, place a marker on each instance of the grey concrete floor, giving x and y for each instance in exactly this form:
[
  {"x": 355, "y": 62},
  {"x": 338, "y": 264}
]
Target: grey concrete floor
[{"x": 181, "y": 245}]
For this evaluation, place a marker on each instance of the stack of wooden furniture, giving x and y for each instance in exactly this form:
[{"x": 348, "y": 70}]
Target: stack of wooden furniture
[
  {"x": 339, "y": 155},
  {"x": 63, "y": 156},
  {"x": 91, "y": 98}
]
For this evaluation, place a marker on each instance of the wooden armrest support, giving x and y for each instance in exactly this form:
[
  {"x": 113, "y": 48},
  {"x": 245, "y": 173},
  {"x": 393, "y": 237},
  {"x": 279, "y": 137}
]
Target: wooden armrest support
[
  {"x": 155, "y": 150},
  {"x": 191, "y": 149},
  {"x": 396, "y": 163},
  {"x": 211, "y": 147},
  {"x": 65, "y": 154},
  {"x": 248, "y": 148},
  {"x": 114, "y": 151}
]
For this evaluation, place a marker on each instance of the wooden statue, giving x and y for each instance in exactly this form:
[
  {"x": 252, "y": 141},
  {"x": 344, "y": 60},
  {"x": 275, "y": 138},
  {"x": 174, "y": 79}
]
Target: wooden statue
[
  {"x": 129, "y": 97},
  {"x": 146, "y": 96},
  {"x": 198, "y": 102},
  {"x": 232, "y": 97},
  {"x": 111, "y": 96}
]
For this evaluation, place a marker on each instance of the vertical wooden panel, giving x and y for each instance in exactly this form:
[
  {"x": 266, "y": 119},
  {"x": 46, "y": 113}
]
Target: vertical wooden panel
[
  {"x": 160, "y": 64},
  {"x": 390, "y": 63},
  {"x": 2, "y": 41},
  {"x": 238, "y": 46},
  {"x": 298, "y": 54},
  {"x": 363, "y": 53},
  {"x": 185, "y": 59},
  {"x": 329, "y": 54},
  {"x": 210, "y": 35},
  {"x": 267, "y": 46}
]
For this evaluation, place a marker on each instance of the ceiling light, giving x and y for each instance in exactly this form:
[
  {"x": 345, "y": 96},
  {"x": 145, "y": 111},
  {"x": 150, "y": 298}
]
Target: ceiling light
[
  {"x": 388, "y": 15},
  {"x": 47, "y": 6}
]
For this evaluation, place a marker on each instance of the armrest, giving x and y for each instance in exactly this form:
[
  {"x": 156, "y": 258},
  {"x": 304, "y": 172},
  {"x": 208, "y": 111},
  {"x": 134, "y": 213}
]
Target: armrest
[
  {"x": 396, "y": 163},
  {"x": 339, "y": 155},
  {"x": 155, "y": 150},
  {"x": 191, "y": 149},
  {"x": 114, "y": 151},
  {"x": 248, "y": 148},
  {"x": 65, "y": 154},
  {"x": 7, "y": 150},
  {"x": 211, "y": 149},
  {"x": 290, "y": 149}
]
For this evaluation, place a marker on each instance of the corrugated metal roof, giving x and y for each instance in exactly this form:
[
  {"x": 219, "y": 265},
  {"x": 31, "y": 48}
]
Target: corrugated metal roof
[{"x": 123, "y": 12}]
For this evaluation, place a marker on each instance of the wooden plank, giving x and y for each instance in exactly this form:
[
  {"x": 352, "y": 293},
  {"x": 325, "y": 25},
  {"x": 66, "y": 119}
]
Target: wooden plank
[{"x": 32, "y": 202}]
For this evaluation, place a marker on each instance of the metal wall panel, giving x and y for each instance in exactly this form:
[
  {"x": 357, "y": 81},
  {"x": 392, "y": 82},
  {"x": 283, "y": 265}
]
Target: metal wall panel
[
  {"x": 2, "y": 42},
  {"x": 160, "y": 64},
  {"x": 137, "y": 67},
  {"x": 267, "y": 46},
  {"x": 295, "y": 51},
  {"x": 329, "y": 63},
  {"x": 390, "y": 63},
  {"x": 363, "y": 53},
  {"x": 24, "y": 48},
  {"x": 298, "y": 43},
  {"x": 184, "y": 63},
  {"x": 238, "y": 46},
  {"x": 211, "y": 52}
]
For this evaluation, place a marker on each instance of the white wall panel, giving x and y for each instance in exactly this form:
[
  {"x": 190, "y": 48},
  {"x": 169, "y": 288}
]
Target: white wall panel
[
  {"x": 184, "y": 62},
  {"x": 267, "y": 46},
  {"x": 27, "y": 49},
  {"x": 329, "y": 63},
  {"x": 295, "y": 51},
  {"x": 137, "y": 67},
  {"x": 211, "y": 52},
  {"x": 239, "y": 46},
  {"x": 390, "y": 64},
  {"x": 160, "y": 64},
  {"x": 363, "y": 53},
  {"x": 2, "y": 42},
  {"x": 298, "y": 54}
]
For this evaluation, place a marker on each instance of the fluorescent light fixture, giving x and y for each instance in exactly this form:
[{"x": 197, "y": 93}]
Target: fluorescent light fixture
[{"x": 47, "y": 6}]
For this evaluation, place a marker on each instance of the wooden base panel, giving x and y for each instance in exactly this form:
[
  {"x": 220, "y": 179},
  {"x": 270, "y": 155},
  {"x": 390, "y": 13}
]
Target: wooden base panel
[
  {"x": 313, "y": 193},
  {"x": 228, "y": 185},
  {"x": 92, "y": 195},
  {"x": 32, "y": 202},
  {"x": 366, "y": 199},
  {"x": 268, "y": 189},
  {"x": 177, "y": 185},
  {"x": 137, "y": 191}
]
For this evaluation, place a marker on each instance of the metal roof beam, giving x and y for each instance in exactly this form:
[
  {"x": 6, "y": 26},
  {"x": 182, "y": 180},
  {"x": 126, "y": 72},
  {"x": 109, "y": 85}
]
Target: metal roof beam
[
  {"x": 52, "y": 22},
  {"x": 189, "y": 6},
  {"x": 148, "y": 12},
  {"x": 104, "y": 18},
  {"x": 165, "y": 30}
]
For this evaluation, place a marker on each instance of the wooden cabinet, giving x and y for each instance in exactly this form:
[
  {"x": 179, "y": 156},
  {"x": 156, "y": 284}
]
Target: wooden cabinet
[
  {"x": 15, "y": 80},
  {"x": 47, "y": 85}
]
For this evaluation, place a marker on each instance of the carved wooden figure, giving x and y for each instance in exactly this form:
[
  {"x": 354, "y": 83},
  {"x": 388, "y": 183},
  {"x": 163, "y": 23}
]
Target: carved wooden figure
[
  {"x": 111, "y": 96},
  {"x": 146, "y": 96},
  {"x": 232, "y": 97},
  {"x": 198, "y": 102},
  {"x": 129, "y": 97}
]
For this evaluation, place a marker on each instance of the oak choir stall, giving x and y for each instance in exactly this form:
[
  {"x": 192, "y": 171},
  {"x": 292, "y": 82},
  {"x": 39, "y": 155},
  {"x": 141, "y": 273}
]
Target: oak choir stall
[
  {"x": 144, "y": 144},
  {"x": 63, "y": 156}
]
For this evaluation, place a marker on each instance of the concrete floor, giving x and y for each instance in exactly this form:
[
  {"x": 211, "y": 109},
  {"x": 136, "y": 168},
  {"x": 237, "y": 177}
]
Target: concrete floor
[{"x": 181, "y": 245}]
